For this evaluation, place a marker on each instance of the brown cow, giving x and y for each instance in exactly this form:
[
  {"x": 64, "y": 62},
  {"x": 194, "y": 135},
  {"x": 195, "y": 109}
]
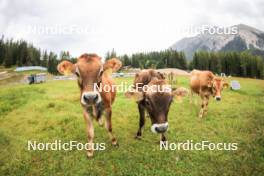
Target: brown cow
[
  {"x": 91, "y": 73},
  {"x": 153, "y": 94},
  {"x": 206, "y": 84}
]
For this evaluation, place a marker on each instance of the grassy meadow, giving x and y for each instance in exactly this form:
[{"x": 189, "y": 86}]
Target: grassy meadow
[{"x": 51, "y": 111}]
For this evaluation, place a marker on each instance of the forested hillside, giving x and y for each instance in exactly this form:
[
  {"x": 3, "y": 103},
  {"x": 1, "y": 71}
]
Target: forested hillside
[
  {"x": 22, "y": 53},
  {"x": 243, "y": 64}
]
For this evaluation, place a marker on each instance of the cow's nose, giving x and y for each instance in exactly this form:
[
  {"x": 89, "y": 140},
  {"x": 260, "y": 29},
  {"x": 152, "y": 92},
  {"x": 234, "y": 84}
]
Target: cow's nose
[
  {"x": 159, "y": 128},
  {"x": 218, "y": 98},
  {"x": 90, "y": 98}
]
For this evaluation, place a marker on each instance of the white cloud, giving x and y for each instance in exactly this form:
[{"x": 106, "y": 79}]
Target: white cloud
[{"x": 127, "y": 26}]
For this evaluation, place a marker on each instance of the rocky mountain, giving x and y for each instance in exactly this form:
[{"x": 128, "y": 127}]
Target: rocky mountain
[{"x": 245, "y": 37}]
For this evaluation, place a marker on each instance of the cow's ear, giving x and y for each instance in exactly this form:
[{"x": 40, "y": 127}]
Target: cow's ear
[
  {"x": 225, "y": 85},
  {"x": 66, "y": 68},
  {"x": 138, "y": 96},
  {"x": 112, "y": 65}
]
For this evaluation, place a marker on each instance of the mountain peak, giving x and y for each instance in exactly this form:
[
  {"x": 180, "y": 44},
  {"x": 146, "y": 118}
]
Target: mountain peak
[
  {"x": 248, "y": 28},
  {"x": 247, "y": 37}
]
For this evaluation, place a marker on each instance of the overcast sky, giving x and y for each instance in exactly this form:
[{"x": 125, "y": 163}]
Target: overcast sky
[{"x": 96, "y": 26}]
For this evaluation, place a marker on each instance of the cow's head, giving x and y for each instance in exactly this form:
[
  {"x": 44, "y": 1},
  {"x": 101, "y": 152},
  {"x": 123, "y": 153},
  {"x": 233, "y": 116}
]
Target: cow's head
[
  {"x": 89, "y": 70},
  {"x": 157, "y": 98},
  {"x": 217, "y": 84}
]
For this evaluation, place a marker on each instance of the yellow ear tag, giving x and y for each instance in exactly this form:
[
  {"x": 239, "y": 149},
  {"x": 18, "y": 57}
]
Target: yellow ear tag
[{"x": 108, "y": 72}]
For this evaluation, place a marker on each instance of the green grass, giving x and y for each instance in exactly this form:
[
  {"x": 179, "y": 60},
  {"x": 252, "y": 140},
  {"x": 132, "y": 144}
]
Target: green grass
[{"x": 51, "y": 111}]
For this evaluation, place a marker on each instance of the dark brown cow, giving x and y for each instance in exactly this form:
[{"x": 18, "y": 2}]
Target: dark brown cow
[
  {"x": 206, "y": 84},
  {"x": 153, "y": 94},
  {"x": 91, "y": 72}
]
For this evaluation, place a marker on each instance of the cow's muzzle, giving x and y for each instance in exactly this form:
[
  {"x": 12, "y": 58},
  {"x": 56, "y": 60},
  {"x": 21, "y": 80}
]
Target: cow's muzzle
[
  {"x": 89, "y": 98},
  {"x": 218, "y": 98},
  {"x": 159, "y": 128}
]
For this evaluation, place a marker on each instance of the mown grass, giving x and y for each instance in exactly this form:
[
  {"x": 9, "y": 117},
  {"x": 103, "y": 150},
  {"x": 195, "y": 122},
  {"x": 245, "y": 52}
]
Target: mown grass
[{"x": 51, "y": 111}]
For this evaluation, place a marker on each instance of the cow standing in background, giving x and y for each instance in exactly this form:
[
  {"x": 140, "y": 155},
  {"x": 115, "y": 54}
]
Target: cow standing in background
[
  {"x": 90, "y": 71},
  {"x": 206, "y": 84}
]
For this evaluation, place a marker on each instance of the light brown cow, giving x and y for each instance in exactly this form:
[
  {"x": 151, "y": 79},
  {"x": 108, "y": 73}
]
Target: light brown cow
[
  {"x": 91, "y": 73},
  {"x": 206, "y": 84}
]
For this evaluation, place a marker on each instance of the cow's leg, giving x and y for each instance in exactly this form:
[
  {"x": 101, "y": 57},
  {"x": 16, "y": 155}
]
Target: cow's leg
[
  {"x": 201, "y": 113},
  {"x": 97, "y": 113},
  {"x": 101, "y": 121},
  {"x": 108, "y": 125},
  {"x": 89, "y": 132},
  {"x": 163, "y": 137},
  {"x": 141, "y": 110},
  {"x": 206, "y": 104}
]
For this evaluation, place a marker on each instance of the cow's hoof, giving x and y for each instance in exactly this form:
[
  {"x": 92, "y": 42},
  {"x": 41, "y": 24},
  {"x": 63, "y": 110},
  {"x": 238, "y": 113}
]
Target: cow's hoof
[
  {"x": 115, "y": 143},
  {"x": 163, "y": 140},
  {"x": 89, "y": 154}
]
